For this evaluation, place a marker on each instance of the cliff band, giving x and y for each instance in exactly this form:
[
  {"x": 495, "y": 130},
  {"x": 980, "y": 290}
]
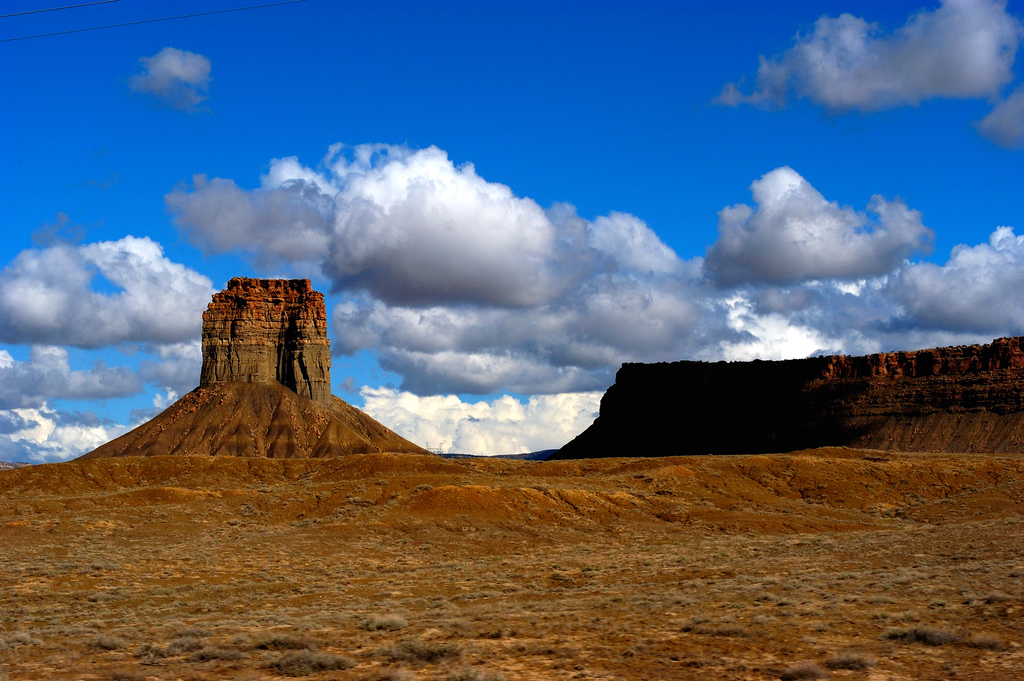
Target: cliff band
[
  {"x": 956, "y": 399},
  {"x": 268, "y": 330}
]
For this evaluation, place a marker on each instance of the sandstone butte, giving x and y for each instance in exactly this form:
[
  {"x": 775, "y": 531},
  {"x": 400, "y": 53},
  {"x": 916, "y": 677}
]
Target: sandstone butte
[
  {"x": 265, "y": 386},
  {"x": 954, "y": 399}
]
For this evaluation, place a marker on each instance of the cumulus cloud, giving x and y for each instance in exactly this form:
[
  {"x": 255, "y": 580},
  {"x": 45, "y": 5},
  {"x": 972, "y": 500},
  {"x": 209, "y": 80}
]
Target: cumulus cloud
[
  {"x": 176, "y": 368},
  {"x": 630, "y": 243},
  {"x": 50, "y": 296},
  {"x": 963, "y": 49},
  {"x": 45, "y": 435},
  {"x": 48, "y": 374},
  {"x": 278, "y": 224},
  {"x": 406, "y": 225},
  {"x": 457, "y": 283},
  {"x": 572, "y": 343},
  {"x": 977, "y": 290},
  {"x": 502, "y": 426},
  {"x": 175, "y": 77},
  {"x": 1004, "y": 125},
  {"x": 795, "y": 234},
  {"x": 459, "y": 286},
  {"x": 768, "y": 335}
]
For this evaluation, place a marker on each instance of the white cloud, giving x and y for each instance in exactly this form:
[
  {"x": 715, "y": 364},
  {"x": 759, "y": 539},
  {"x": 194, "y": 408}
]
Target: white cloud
[
  {"x": 47, "y": 375},
  {"x": 977, "y": 290},
  {"x": 632, "y": 245},
  {"x": 963, "y": 49},
  {"x": 177, "y": 367},
  {"x": 459, "y": 286},
  {"x": 574, "y": 343},
  {"x": 44, "y": 435},
  {"x": 47, "y": 295},
  {"x": 769, "y": 335},
  {"x": 457, "y": 283},
  {"x": 290, "y": 223},
  {"x": 176, "y": 77},
  {"x": 502, "y": 426},
  {"x": 1004, "y": 125},
  {"x": 795, "y": 234},
  {"x": 408, "y": 226}
]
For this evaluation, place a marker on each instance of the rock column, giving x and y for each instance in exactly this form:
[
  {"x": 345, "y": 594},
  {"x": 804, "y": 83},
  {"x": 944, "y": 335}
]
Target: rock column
[{"x": 266, "y": 330}]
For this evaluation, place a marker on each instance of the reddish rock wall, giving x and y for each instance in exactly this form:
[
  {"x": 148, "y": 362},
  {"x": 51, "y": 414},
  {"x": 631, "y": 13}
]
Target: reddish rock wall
[
  {"x": 266, "y": 330},
  {"x": 964, "y": 398}
]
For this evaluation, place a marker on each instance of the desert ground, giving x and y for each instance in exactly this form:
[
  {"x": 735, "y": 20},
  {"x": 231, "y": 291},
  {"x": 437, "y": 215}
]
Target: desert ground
[{"x": 835, "y": 563}]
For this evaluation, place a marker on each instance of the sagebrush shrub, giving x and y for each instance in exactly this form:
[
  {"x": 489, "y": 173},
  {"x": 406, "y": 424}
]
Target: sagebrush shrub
[
  {"x": 385, "y": 622},
  {"x": 306, "y": 662},
  {"x": 848, "y": 660},
  {"x": 926, "y": 635},
  {"x": 283, "y": 642},
  {"x": 414, "y": 650},
  {"x": 107, "y": 642}
]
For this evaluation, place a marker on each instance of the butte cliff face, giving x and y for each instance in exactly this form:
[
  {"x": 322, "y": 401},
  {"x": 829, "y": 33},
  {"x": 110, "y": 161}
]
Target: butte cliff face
[
  {"x": 265, "y": 387},
  {"x": 267, "y": 330},
  {"x": 956, "y": 399}
]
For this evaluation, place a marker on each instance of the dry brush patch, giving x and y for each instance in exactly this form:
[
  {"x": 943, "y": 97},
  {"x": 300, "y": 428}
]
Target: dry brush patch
[{"x": 696, "y": 568}]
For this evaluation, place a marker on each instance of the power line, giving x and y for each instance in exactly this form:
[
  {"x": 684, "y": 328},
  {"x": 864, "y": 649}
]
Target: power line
[
  {"x": 151, "y": 21},
  {"x": 56, "y": 9}
]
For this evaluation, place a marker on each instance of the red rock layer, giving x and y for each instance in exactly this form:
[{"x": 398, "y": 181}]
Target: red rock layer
[
  {"x": 964, "y": 399},
  {"x": 267, "y": 330}
]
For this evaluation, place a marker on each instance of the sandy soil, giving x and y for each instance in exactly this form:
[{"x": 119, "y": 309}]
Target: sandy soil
[{"x": 841, "y": 563}]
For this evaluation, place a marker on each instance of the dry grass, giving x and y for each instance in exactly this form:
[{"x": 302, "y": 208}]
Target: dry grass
[
  {"x": 851, "y": 660},
  {"x": 306, "y": 663},
  {"x": 384, "y": 622},
  {"x": 929, "y": 636},
  {"x": 703, "y": 568}
]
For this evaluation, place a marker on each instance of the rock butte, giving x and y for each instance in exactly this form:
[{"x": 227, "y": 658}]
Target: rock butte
[
  {"x": 955, "y": 399},
  {"x": 266, "y": 331},
  {"x": 265, "y": 387}
]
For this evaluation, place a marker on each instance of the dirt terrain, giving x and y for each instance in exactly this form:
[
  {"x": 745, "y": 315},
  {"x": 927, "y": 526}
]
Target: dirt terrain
[
  {"x": 851, "y": 564},
  {"x": 241, "y": 419}
]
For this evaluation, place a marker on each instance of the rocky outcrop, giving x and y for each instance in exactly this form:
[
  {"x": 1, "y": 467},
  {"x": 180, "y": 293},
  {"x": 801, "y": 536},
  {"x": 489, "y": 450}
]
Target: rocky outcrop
[
  {"x": 265, "y": 389},
  {"x": 268, "y": 330},
  {"x": 964, "y": 398}
]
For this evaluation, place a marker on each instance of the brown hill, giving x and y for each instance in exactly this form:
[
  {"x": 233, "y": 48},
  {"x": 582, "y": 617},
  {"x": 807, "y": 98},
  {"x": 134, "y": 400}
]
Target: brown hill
[
  {"x": 256, "y": 420},
  {"x": 956, "y": 399}
]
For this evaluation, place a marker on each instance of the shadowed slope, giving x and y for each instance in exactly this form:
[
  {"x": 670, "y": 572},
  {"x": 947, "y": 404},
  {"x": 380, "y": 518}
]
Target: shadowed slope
[{"x": 256, "y": 420}]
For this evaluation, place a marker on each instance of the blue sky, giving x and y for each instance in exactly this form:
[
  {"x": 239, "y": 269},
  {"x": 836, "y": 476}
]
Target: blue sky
[{"x": 503, "y": 201}]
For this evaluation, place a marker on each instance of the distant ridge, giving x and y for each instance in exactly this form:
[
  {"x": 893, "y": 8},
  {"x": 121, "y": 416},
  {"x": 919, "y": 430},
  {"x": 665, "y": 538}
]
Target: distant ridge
[
  {"x": 10, "y": 465},
  {"x": 525, "y": 456},
  {"x": 955, "y": 399}
]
